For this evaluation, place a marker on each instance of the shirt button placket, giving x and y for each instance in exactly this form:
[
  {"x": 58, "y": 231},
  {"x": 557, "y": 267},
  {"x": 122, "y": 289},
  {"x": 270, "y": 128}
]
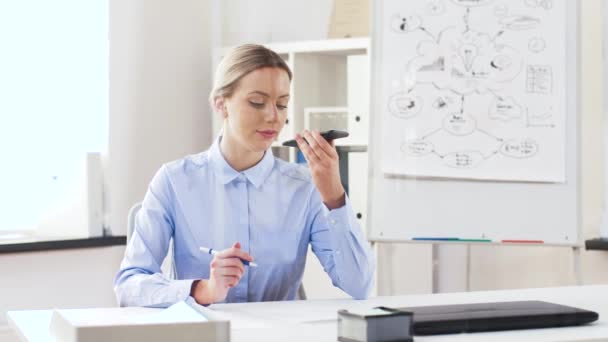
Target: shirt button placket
[{"x": 243, "y": 235}]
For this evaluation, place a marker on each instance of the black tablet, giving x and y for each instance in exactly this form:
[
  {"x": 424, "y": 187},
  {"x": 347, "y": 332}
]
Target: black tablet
[{"x": 452, "y": 319}]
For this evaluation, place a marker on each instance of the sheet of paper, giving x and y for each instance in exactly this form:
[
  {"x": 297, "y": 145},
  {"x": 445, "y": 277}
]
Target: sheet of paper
[
  {"x": 179, "y": 312},
  {"x": 475, "y": 89},
  {"x": 370, "y": 312},
  {"x": 255, "y": 314},
  {"x": 350, "y": 18}
]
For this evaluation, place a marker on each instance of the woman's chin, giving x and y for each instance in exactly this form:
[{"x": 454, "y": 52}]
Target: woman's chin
[
  {"x": 267, "y": 146},
  {"x": 261, "y": 146}
]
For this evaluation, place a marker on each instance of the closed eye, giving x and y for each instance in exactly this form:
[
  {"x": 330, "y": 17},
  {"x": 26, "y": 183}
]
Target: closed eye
[{"x": 256, "y": 104}]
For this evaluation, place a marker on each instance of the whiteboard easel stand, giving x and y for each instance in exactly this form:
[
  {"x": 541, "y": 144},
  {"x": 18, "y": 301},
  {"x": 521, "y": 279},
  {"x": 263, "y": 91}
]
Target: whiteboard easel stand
[
  {"x": 576, "y": 266},
  {"x": 436, "y": 264},
  {"x": 601, "y": 243},
  {"x": 573, "y": 109}
]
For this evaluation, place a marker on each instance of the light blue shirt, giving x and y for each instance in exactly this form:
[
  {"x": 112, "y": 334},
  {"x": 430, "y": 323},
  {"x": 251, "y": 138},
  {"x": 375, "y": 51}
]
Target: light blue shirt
[{"x": 273, "y": 209}]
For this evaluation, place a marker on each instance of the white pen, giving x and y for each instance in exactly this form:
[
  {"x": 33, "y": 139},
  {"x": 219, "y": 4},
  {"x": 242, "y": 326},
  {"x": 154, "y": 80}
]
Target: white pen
[{"x": 214, "y": 252}]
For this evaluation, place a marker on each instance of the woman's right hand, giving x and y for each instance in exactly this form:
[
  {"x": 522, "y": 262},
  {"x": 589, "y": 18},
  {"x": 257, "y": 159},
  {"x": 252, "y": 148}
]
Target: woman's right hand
[{"x": 226, "y": 272}]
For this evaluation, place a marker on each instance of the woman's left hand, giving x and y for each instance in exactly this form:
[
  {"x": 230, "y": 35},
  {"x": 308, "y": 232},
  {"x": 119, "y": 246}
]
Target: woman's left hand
[{"x": 323, "y": 162}]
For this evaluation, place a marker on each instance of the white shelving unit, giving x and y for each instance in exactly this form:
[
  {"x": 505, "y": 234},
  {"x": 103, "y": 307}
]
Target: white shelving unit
[{"x": 328, "y": 74}]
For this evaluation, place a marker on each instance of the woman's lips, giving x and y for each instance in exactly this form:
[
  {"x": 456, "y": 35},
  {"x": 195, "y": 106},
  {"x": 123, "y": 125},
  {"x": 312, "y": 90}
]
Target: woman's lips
[{"x": 268, "y": 134}]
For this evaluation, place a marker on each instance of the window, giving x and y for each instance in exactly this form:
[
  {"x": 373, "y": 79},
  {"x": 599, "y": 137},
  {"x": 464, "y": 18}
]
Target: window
[{"x": 53, "y": 102}]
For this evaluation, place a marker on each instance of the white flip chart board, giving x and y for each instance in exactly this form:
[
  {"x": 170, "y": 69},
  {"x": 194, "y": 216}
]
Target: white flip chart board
[{"x": 475, "y": 121}]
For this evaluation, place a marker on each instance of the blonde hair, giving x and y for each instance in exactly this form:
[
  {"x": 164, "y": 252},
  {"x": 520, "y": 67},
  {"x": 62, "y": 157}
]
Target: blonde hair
[{"x": 239, "y": 62}]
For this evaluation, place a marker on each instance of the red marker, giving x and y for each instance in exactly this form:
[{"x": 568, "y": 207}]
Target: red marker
[{"x": 522, "y": 241}]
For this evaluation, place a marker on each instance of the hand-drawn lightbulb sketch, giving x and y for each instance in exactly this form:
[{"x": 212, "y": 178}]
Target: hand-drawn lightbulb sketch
[{"x": 468, "y": 53}]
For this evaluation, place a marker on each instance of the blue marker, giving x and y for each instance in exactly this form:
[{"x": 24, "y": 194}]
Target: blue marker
[
  {"x": 449, "y": 239},
  {"x": 214, "y": 252}
]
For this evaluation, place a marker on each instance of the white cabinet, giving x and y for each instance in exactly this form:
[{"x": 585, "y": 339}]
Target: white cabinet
[
  {"x": 358, "y": 126},
  {"x": 358, "y": 98}
]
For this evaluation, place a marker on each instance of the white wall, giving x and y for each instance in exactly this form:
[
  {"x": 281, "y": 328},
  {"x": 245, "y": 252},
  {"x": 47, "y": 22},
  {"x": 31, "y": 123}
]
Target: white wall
[
  {"x": 73, "y": 278},
  {"x": 159, "y": 82},
  {"x": 160, "y": 60},
  {"x": 265, "y": 21}
]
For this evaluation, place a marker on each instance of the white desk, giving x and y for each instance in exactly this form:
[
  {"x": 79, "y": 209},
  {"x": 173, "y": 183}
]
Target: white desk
[{"x": 316, "y": 320}]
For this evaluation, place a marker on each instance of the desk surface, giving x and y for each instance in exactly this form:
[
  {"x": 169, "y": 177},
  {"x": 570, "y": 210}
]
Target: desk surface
[{"x": 316, "y": 320}]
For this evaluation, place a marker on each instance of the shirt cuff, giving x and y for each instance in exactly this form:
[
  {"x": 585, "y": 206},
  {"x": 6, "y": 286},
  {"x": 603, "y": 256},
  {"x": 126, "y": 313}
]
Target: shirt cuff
[
  {"x": 339, "y": 219},
  {"x": 192, "y": 299},
  {"x": 181, "y": 288}
]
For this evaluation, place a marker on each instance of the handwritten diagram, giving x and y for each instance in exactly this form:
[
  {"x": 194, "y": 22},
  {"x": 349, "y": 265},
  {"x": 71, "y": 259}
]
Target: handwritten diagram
[{"x": 475, "y": 89}]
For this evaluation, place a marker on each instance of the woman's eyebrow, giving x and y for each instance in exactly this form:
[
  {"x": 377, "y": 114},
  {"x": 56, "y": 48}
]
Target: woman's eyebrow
[
  {"x": 259, "y": 93},
  {"x": 265, "y": 94}
]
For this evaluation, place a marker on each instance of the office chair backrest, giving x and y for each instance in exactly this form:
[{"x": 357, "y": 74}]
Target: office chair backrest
[
  {"x": 301, "y": 295},
  {"x": 168, "y": 265},
  {"x": 131, "y": 220}
]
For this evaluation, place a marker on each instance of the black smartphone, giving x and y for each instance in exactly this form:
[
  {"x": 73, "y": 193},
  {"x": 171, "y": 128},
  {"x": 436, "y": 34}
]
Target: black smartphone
[{"x": 330, "y": 135}]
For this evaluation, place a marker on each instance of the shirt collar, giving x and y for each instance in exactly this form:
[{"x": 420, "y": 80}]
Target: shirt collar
[{"x": 255, "y": 174}]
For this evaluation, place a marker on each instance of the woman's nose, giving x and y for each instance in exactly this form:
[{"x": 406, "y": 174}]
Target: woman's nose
[{"x": 272, "y": 114}]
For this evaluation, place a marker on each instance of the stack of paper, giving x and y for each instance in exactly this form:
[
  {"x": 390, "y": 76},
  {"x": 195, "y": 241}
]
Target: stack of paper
[{"x": 178, "y": 323}]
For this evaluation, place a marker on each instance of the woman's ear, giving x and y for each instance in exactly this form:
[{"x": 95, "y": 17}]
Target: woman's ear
[{"x": 219, "y": 105}]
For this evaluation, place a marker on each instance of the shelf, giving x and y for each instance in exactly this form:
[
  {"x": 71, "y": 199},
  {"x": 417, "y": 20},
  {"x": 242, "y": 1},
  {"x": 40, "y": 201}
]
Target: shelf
[
  {"x": 351, "y": 148},
  {"x": 36, "y": 244},
  {"x": 343, "y": 47},
  {"x": 346, "y": 46}
]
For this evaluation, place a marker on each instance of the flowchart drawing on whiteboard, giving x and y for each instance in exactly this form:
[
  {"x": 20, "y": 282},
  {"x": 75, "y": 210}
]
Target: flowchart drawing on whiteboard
[{"x": 475, "y": 89}]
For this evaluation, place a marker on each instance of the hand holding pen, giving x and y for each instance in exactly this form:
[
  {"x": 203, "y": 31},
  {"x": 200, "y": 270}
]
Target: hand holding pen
[
  {"x": 227, "y": 266},
  {"x": 214, "y": 252}
]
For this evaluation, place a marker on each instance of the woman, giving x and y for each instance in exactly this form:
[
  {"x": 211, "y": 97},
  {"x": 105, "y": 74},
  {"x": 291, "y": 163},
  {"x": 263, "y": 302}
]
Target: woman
[{"x": 236, "y": 197}]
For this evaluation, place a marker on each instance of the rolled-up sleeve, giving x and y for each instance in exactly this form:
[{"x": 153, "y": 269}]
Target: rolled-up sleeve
[
  {"x": 139, "y": 281},
  {"x": 338, "y": 242}
]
